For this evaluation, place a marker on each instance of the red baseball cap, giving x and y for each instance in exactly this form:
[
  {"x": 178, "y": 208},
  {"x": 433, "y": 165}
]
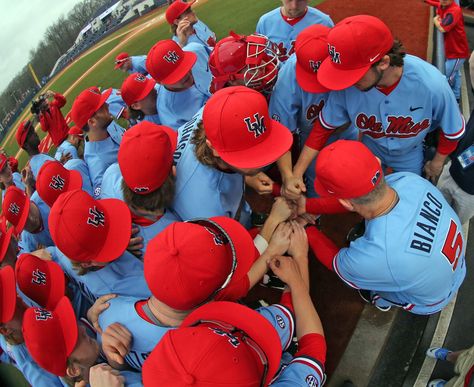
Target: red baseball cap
[
  {"x": 75, "y": 131},
  {"x": 51, "y": 335},
  {"x": 42, "y": 281},
  {"x": 15, "y": 207},
  {"x": 53, "y": 180},
  {"x": 346, "y": 169},
  {"x": 5, "y": 237},
  {"x": 13, "y": 163},
  {"x": 176, "y": 9},
  {"x": 136, "y": 87},
  {"x": 22, "y": 132},
  {"x": 239, "y": 127},
  {"x": 167, "y": 63},
  {"x": 218, "y": 344},
  {"x": 311, "y": 49},
  {"x": 88, "y": 230},
  {"x": 355, "y": 44},
  {"x": 189, "y": 263},
  {"x": 156, "y": 145},
  {"x": 7, "y": 294},
  {"x": 3, "y": 161},
  {"x": 120, "y": 59},
  {"x": 87, "y": 103}
]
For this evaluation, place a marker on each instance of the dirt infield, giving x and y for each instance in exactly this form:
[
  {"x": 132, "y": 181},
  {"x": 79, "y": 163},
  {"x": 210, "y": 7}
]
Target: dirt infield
[{"x": 408, "y": 19}]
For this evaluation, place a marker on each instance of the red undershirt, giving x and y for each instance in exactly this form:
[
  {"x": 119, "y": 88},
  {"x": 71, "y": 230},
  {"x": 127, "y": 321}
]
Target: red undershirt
[{"x": 293, "y": 20}]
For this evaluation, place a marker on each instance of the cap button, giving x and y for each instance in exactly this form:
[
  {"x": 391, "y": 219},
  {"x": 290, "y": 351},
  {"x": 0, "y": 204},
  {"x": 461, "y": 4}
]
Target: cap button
[
  {"x": 189, "y": 379},
  {"x": 174, "y": 251}
]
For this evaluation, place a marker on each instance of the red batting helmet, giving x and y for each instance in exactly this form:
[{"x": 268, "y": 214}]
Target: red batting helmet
[{"x": 252, "y": 58}]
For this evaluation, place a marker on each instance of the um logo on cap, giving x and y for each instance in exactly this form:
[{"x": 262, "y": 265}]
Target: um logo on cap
[
  {"x": 233, "y": 340},
  {"x": 257, "y": 127},
  {"x": 140, "y": 78},
  {"x": 314, "y": 65},
  {"x": 39, "y": 278},
  {"x": 172, "y": 57},
  {"x": 335, "y": 56},
  {"x": 57, "y": 183},
  {"x": 42, "y": 314},
  {"x": 14, "y": 208},
  {"x": 96, "y": 218}
]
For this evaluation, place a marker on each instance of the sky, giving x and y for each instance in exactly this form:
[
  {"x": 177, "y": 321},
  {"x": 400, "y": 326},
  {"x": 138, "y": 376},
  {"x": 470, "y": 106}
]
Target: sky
[{"x": 24, "y": 23}]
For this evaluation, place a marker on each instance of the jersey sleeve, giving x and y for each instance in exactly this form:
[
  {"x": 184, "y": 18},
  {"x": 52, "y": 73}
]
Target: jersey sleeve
[
  {"x": 283, "y": 105},
  {"x": 303, "y": 371},
  {"x": 282, "y": 320},
  {"x": 334, "y": 113},
  {"x": 446, "y": 113},
  {"x": 451, "y": 19},
  {"x": 363, "y": 265}
]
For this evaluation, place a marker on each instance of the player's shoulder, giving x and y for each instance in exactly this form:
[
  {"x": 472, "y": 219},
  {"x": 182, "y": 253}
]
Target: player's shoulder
[
  {"x": 320, "y": 15},
  {"x": 417, "y": 70},
  {"x": 270, "y": 16}
]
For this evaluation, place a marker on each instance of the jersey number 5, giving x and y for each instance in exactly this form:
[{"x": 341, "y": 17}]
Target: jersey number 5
[{"x": 452, "y": 248}]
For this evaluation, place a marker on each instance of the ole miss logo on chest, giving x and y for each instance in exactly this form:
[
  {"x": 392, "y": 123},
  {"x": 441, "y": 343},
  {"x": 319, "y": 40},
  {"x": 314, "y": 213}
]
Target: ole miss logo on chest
[{"x": 397, "y": 126}]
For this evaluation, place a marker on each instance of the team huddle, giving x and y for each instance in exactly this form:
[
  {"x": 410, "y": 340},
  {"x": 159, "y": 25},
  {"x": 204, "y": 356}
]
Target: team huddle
[{"x": 127, "y": 264}]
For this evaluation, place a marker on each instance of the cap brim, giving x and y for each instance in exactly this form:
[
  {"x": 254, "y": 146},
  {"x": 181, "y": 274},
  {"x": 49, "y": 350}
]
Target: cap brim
[
  {"x": 5, "y": 242},
  {"x": 264, "y": 153},
  {"x": 245, "y": 250},
  {"x": 320, "y": 189},
  {"x": 8, "y": 296},
  {"x": 120, "y": 226},
  {"x": 104, "y": 96},
  {"x": 67, "y": 319},
  {"x": 308, "y": 81},
  {"x": 118, "y": 65},
  {"x": 150, "y": 84},
  {"x": 58, "y": 289},
  {"x": 184, "y": 67},
  {"x": 75, "y": 180},
  {"x": 24, "y": 216},
  {"x": 334, "y": 78},
  {"x": 257, "y": 327}
]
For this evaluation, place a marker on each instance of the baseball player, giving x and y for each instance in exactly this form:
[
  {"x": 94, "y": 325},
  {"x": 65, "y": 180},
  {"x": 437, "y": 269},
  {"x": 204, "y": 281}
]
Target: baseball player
[
  {"x": 103, "y": 136},
  {"x": 130, "y": 64},
  {"x": 219, "y": 245},
  {"x": 7, "y": 177},
  {"x": 68, "y": 148},
  {"x": 231, "y": 137},
  {"x": 393, "y": 99},
  {"x": 29, "y": 216},
  {"x": 72, "y": 348},
  {"x": 11, "y": 337},
  {"x": 185, "y": 77},
  {"x": 8, "y": 244},
  {"x": 410, "y": 229},
  {"x": 283, "y": 24},
  {"x": 298, "y": 97},
  {"x": 250, "y": 61},
  {"x": 50, "y": 116},
  {"x": 140, "y": 94},
  {"x": 29, "y": 141},
  {"x": 449, "y": 21},
  {"x": 186, "y": 27},
  {"x": 91, "y": 238},
  {"x": 247, "y": 345}
]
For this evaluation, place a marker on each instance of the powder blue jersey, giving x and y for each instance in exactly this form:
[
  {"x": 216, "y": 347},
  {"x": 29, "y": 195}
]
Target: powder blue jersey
[
  {"x": 116, "y": 103},
  {"x": 203, "y": 191},
  {"x": 98, "y": 155},
  {"x": 123, "y": 276},
  {"x": 298, "y": 110},
  {"x": 37, "y": 161},
  {"x": 394, "y": 126},
  {"x": 16, "y": 181},
  {"x": 81, "y": 167},
  {"x": 202, "y": 35},
  {"x": 283, "y": 34},
  {"x": 413, "y": 256},
  {"x": 149, "y": 232},
  {"x": 138, "y": 64},
  {"x": 111, "y": 187},
  {"x": 177, "y": 108},
  {"x": 64, "y": 148}
]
